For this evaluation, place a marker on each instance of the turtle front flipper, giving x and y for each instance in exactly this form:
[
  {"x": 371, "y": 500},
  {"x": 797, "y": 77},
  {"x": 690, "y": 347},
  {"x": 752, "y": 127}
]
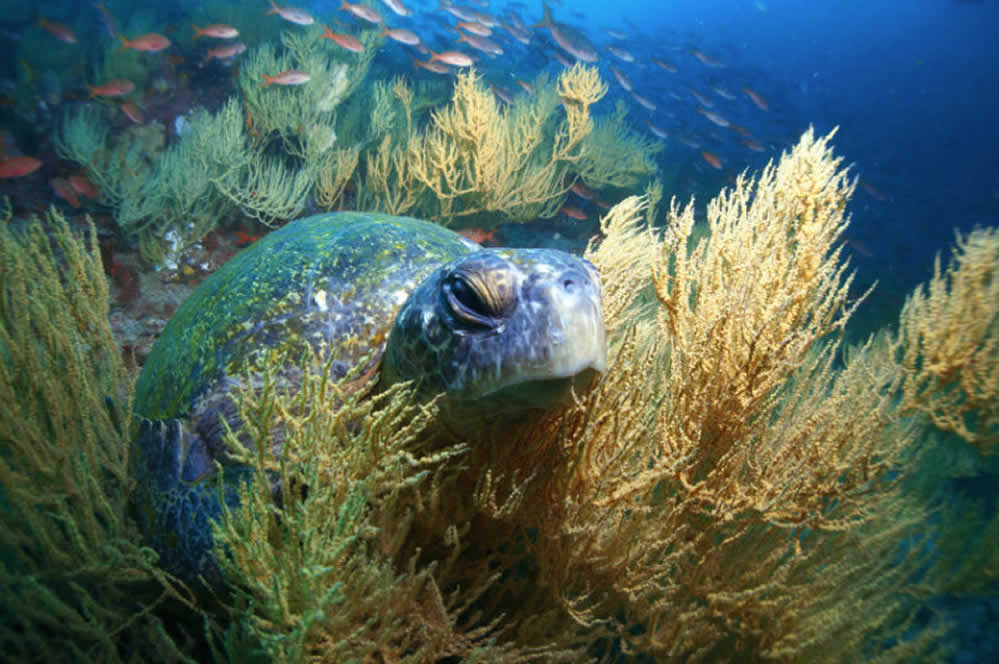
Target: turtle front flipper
[{"x": 178, "y": 499}]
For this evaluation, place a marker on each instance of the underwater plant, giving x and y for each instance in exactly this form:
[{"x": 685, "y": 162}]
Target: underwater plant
[
  {"x": 479, "y": 157},
  {"x": 733, "y": 489},
  {"x": 74, "y": 579},
  {"x": 614, "y": 155},
  {"x": 188, "y": 187}
]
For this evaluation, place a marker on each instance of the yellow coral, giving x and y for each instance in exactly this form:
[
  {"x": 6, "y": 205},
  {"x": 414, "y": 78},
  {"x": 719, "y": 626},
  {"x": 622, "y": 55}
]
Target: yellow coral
[
  {"x": 728, "y": 491},
  {"x": 614, "y": 155},
  {"x": 950, "y": 335},
  {"x": 722, "y": 433},
  {"x": 744, "y": 308},
  {"x": 74, "y": 579},
  {"x": 478, "y": 157}
]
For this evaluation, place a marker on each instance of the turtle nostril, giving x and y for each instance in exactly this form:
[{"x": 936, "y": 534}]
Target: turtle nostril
[{"x": 573, "y": 282}]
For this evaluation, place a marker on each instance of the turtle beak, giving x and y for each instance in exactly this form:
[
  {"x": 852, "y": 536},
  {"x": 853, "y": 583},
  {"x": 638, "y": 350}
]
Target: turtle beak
[
  {"x": 576, "y": 335},
  {"x": 570, "y": 350}
]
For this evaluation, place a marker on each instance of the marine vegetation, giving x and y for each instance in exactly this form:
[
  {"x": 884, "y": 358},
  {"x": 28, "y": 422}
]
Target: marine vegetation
[
  {"x": 478, "y": 160},
  {"x": 75, "y": 579},
  {"x": 736, "y": 487},
  {"x": 270, "y": 151},
  {"x": 183, "y": 190},
  {"x": 614, "y": 155},
  {"x": 476, "y": 157}
]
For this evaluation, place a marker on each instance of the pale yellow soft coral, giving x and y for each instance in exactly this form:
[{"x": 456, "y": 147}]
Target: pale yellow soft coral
[
  {"x": 726, "y": 428},
  {"x": 746, "y": 305},
  {"x": 479, "y": 157},
  {"x": 950, "y": 337}
]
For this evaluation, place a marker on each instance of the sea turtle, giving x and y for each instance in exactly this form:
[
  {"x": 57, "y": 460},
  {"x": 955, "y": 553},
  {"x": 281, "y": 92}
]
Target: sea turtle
[{"x": 498, "y": 331}]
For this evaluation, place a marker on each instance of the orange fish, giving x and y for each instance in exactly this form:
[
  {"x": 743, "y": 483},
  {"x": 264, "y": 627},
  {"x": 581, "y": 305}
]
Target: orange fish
[
  {"x": 621, "y": 54},
  {"x": 431, "y": 66},
  {"x": 15, "y": 167},
  {"x": 745, "y": 133},
  {"x": 60, "y": 31},
  {"x": 114, "y": 88},
  {"x": 706, "y": 59},
  {"x": 65, "y": 191},
  {"x": 223, "y": 52},
  {"x": 478, "y": 235},
  {"x": 668, "y": 66},
  {"x": 581, "y": 190},
  {"x": 83, "y": 186},
  {"x": 132, "y": 112},
  {"x": 701, "y": 99},
  {"x": 657, "y": 130},
  {"x": 716, "y": 118},
  {"x": 573, "y": 212},
  {"x": 402, "y": 36},
  {"x": 218, "y": 31},
  {"x": 150, "y": 43},
  {"x": 622, "y": 78},
  {"x": 528, "y": 88},
  {"x": 757, "y": 98},
  {"x": 712, "y": 159},
  {"x": 362, "y": 11},
  {"x": 292, "y": 14},
  {"x": 873, "y": 191},
  {"x": 244, "y": 239},
  {"x": 456, "y": 58},
  {"x": 571, "y": 40},
  {"x": 502, "y": 94},
  {"x": 287, "y": 77},
  {"x": 647, "y": 103},
  {"x": 475, "y": 28},
  {"x": 398, "y": 7},
  {"x": 343, "y": 40}
]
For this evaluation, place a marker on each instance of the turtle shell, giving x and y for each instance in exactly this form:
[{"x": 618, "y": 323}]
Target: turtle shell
[
  {"x": 332, "y": 277},
  {"x": 338, "y": 278}
]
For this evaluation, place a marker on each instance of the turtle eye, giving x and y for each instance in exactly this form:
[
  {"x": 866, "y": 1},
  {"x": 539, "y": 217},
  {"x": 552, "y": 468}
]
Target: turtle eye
[{"x": 465, "y": 301}]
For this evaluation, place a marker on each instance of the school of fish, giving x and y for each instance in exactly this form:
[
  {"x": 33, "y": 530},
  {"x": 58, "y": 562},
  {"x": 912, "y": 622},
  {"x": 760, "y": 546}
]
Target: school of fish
[{"x": 687, "y": 96}]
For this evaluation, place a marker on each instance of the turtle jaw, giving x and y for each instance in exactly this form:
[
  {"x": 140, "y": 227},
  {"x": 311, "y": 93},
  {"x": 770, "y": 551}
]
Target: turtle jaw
[
  {"x": 568, "y": 356},
  {"x": 544, "y": 393}
]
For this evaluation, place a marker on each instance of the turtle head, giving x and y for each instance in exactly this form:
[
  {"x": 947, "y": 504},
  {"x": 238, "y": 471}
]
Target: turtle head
[{"x": 507, "y": 329}]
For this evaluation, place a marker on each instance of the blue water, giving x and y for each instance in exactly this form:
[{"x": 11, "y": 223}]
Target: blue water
[
  {"x": 914, "y": 89},
  {"x": 913, "y": 86}
]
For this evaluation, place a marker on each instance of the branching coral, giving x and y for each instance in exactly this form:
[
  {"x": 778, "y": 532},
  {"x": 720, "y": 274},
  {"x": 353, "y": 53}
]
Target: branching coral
[
  {"x": 950, "y": 336},
  {"x": 298, "y": 114},
  {"x": 730, "y": 490},
  {"x": 73, "y": 577},
  {"x": 391, "y": 184},
  {"x": 478, "y": 157},
  {"x": 726, "y": 519},
  {"x": 190, "y": 186},
  {"x": 317, "y": 572},
  {"x": 743, "y": 309},
  {"x": 615, "y": 156},
  {"x": 333, "y": 174}
]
